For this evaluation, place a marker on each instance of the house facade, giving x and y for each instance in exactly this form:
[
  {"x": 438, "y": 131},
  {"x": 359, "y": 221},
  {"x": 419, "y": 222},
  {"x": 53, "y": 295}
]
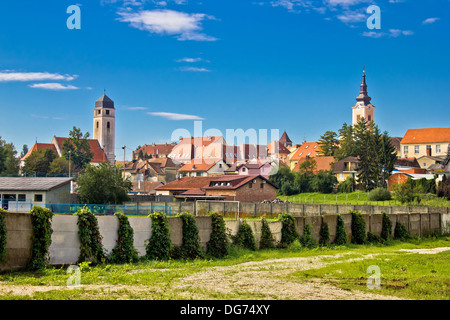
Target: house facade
[{"x": 430, "y": 142}]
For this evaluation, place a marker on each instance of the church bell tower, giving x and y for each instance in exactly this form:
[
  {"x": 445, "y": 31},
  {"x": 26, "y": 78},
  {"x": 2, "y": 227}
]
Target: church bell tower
[
  {"x": 363, "y": 108},
  {"x": 105, "y": 125}
]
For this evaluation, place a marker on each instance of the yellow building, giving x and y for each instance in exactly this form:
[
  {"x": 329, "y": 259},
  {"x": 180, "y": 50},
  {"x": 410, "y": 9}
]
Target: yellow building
[
  {"x": 345, "y": 168},
  {"x": 429, "y": 142}
]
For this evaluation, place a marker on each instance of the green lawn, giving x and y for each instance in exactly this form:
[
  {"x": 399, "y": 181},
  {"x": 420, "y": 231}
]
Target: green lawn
[
  {"x": 357, "y": 198},
  {"x": 403, "y": 275}
]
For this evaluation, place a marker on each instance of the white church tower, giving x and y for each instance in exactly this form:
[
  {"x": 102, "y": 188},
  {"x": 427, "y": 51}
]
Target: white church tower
[
  {"x": 363, "y": 108},
  {"x": 105, "y": 126}
]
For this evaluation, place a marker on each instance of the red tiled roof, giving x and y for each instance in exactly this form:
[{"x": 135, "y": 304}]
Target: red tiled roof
[
  {"x": 99, "y": 154},
  {"x": 155, "y": 149},
  {"x": 195, "y": 166},
  {"x": 322, "y": 164},
  {"x": 305, "y": 149},
  {"x": 426, "y": 135},
  {"x": 235, "y": 181},
  {"x": 39, "y": 146},
  {"x": 187, "y": 183},
  {"x": 272, "y": 148}
]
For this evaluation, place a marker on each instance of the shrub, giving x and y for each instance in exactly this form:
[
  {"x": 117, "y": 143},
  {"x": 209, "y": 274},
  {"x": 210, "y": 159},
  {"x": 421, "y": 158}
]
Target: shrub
[
  {"x": 159, "y": 245},
  {"x": 191, "y": 247},
  {"x": 386, "y": 228},
  {"x": 323, "y": 182},
  {"x": 341, "y": 234},
  {"x": 267, "y": 240},
  {"x": 3, "y": 232},
  {"x": 124, "y": 251},
  {"x": 306, "y": 239},
  {"x": 347, "y": 186},
  {"x": 404, "y": 193},
  {"x": 295, "y": 246},
  {"x": 358, "y": 228},
  {"x": 91, "y": 248},
  {"x": 373, "y": 238},
  {"x": 287, "y": 189},
  {"x": 244, "y": 237},
  {"x": 324, "y": 234},
  {"x": 400, "y": 232},
  {"x": 443, "y": 190},
  {"x": 289, "y": 231},
  {"x": 379, "y": 194},
  {"x": 218, "y": 244},
  {"x": 42, "y": 237}
]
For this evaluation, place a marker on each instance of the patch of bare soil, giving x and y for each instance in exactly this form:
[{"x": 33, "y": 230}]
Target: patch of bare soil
[
  {"x": 266, "y": 280},
  {"x": 427, "y": 251}
]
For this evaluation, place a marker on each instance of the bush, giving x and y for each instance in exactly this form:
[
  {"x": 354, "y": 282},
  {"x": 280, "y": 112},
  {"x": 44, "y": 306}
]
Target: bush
[
  {"x": 373, "y": 238},
  {"x": 218, "y": 244},
  {"x": 306, "y": 239},
  {"x": 386, "y": 228},
  {"x": 3, "y": 232},
  {"x": 91, "y": 248},
  {"x": 358, "y": 228},
  {"x": 191, "y": 247},
  {"x": 244, "y": 237},
  {"x": 324, "y": 234},
  {"x": 347, "y": 186},
  {"x": 379, "y": 194},
  {"x": 400, "y": 232},
  {"x": 443, "y": 190},
  {"x": 287, "y": 189},
  {"x": 323, "y": 182},
  {"x": 124, "y": 251},
  {"x": 289, "y": 231},
  {"x": 341, "y": 234},
  {"x": 295, "y": 246},
  {"x": 404, "y": 193},
  {"x": 159, "y": 246},
  {"x": 267, "y": 240},
  {"x": 41, "y": 219}
]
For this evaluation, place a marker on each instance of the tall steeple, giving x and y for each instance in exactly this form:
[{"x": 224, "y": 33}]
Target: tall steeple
[
  {"x": 105, "y": 126},
  {"x": 363, "y": 108}
]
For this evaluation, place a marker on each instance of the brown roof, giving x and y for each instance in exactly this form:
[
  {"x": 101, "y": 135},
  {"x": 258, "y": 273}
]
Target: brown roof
[
  {"x": 340, "y": 165},
  {"x": 155, "y": 149},
  {"x": 187, "y": 183},
  {"x": 322, "y": 163},
  {"x": 285, "y": 138},
  {"x": 146, "y": 186},
  {"x": 427, "y": 135},
  {"x": 195, "y": 166},
  {"x": 39, "y": 146},
  {"x": 396, "y": 142},
  {"x": 279, "y": 148},
  {"x": 99, "y": 154},
  {"x": 233, "y": 182}
]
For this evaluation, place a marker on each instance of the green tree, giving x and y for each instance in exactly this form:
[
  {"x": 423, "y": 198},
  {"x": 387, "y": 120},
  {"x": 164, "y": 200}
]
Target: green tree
[
  {"x": 77, "y": 148},
  {"x": 39, "y": 161},
  {"x": 8, "y": 162},
  {"x": 24, "y": 151},
  {"x": 59, "y": 166},
  {"x": 218, "y": 244},
  {"x": 346, "y": 143},
  {"x": 323, "y": 182},
  {"x": 328, "y": 143},
  {"x": 103, "y": 184}
]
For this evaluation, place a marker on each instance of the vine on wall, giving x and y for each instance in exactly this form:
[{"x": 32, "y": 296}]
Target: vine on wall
[
  {"x": 91, "y": 248},
  {"x": 41, "y": 219},
  {"x": 3, "y": 232},
  {"x": 124, "y": 251},
  {"x": 218, "y": 243},
  {"x": 159, "y": 246}
]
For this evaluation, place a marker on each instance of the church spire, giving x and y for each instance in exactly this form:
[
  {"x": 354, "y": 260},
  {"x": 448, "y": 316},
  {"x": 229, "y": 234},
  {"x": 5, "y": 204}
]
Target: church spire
[{"x": 363, "y": 95}]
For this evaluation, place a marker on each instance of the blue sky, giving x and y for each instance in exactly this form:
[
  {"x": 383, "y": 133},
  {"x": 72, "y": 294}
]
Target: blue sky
[{"x": 291, "y": 65}]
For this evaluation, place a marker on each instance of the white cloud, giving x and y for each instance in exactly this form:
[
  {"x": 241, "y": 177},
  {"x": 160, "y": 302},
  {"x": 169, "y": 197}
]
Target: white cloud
[
  {"x": 373, "y": 34},
  {"x": 7, "y": 76},
  {"x": 430, "y": 20},
  {"x": 53, "y": 86},
  {"x": 193, "y": 69},
  {"x": 185, "y": 26},
  {"x": 136, "y": 108},
  {"x": 352, "y": 17},
  {"x": 174, "y": 116},
  {"x": 397, "y": 32},
  {"x": 189, "y": 60}
]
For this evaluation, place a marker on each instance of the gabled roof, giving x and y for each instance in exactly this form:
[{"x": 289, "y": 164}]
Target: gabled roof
[
  {"x": 285, "y": 138},
  {"x": 426, "y": 135},
  {"x": 155, "y": 149},
  {"x": 39, "y": 146},
  {"x": 194, "y": 166},
  {"x": 99, "y": 154},
  {"x": 310, "y": 149},
  {"x": 233, "y": 182},
  {"x": 277, "y": 147},
  {"x": 104, "y": 102},
  {"x": 31, "y": 183},
  {"x": 340, "y": 165},
  {"x": 186, "y": 183}
]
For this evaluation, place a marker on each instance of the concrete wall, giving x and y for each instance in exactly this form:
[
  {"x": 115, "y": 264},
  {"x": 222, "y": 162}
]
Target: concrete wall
[{"x": 65, "y": 247}]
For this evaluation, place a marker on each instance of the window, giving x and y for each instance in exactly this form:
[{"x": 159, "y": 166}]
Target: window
[
  {"x": 243, "y": 169},
  {"x": 262, "y": 186},
  {"x": 22, "y": 197},
  {"x": 98, "y": 112},
  {"x": 97, "y": 124},
  {"x": 341, "y": 176},
  {"x": 107, "y": 111},
  {"x": 405, "y": 149},
  {"x": 358, "y": 118},
  {"x": 38, "y": 198},
  {"x": 306, "y": 147},
  {"x": 438, "y": 149},
  {"x": 107, "y": 125},
  {"x": 250, "y": 185},
  {"x": 424, "y": 164},
  {"x": 369, "y": 118},
  {"x": 416, "y": 149},
  {"x": 220, "y": 165}
]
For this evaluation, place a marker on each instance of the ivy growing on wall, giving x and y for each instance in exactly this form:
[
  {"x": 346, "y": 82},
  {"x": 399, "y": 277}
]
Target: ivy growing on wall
[
  {"x": 267, "y": 241},
  {"x": 41, "y": 219},
  {"x": 191, "y": 247},
  {"x": 341, "y": 234},
  {"x": 124, "y": 251},
  {"x": 324, "y": 234},
  {"x": 3, "y": 232},
  {"x": 358, "y": 228},
  {"x": 306, "y": 239},
  {"x": 218, "y": 243},
  {"x": 386, "y": 229},
  {"x": 289, "y": 231},
  {"x": 159, "y": 245},
  {"x": 91, "y": 248},
  {"x": 244, "y": 237}
]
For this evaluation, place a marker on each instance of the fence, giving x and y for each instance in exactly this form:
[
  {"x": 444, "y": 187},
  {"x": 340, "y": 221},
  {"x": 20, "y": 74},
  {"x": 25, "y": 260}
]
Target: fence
[{"x": 98, "y": 209}]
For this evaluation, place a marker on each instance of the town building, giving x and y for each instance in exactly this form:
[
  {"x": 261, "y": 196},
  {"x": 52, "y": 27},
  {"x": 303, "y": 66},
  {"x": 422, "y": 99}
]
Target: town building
[
  {"x": 306, "y": 149},
  {"x": 154, "y": 151},
  {"x": 363, "y": 108},
  {"x": 425, "y": 142},
  {"x": 347, "y": 167},
  {"x": 105, "y": 126},
  {"x": 322, "y": 163},
  {"x": 203, "y": 168}
]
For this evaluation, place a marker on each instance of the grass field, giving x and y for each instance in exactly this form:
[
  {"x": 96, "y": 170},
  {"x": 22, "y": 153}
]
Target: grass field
[
  {"x": 358, "y": 198},
  {"x": 292, "y": 274}
]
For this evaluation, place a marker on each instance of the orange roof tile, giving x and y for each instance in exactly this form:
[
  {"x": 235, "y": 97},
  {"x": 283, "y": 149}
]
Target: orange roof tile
[
  {"x": 39, "y": 146},
  {"x": 99, "y": 154},
  {"x": 322, "y": 164},
  {"x": 310, "y": 149},
  {"x": 426, "y": 135}
]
